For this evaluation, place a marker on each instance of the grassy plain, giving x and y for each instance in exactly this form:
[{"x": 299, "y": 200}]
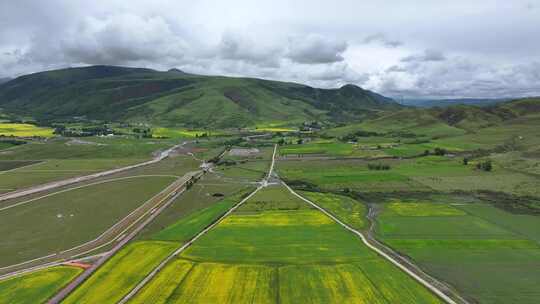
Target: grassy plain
[
  {"x": 36, "y": 287},
  {"x": 121, "y": 273},
  {"x": 465, "y": 243},
  {"x": 419, "y": 174},
  {"x": 67, "y": 219}
]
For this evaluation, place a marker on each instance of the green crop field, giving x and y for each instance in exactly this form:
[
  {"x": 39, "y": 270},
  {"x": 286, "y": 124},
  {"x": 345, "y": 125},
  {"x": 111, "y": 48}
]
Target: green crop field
[
  {"x": 418, "y": 174},
  {"x": 188, "y": 226},
  {"x": 70, "y": 218},
  {"x": 465, "y": 244},
  {"x": 273, "y": 250},
  {"x": 36, "y": 287},
  {"x": 348, "y": 210},
  {"x": 121, "y": 273}
]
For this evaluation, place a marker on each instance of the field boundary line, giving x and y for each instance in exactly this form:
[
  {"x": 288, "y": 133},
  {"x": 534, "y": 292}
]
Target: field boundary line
[
  {"x": 419, "y": 279},
  {"x": 80, "y": 187},
  {"x": 163, "y": 263},
  {"x": 170, "y": 198},
  {"x": 55, "y": 184},
  {"x": 105, "y": 232},
  {"x": 30, "y": 165}
]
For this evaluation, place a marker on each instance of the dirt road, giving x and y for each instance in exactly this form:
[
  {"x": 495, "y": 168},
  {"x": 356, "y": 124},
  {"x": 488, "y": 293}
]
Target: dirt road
[
  {"x": 73, "y": 180},
  {"x": 155, "y": 271},
  {"x": 412, "y": 274}
]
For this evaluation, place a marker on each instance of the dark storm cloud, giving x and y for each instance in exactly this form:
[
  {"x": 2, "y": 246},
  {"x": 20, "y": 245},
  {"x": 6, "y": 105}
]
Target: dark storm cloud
[
  {"x": 313, "y": 49},
  {"x": 383, "y": 40},
  {"x": 413, "y": 48},
  {"x": 427, "y": 55}
]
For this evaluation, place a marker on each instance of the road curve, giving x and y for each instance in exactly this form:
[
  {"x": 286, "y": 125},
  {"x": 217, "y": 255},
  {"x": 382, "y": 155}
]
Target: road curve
[{"x": 428, "y": 285}]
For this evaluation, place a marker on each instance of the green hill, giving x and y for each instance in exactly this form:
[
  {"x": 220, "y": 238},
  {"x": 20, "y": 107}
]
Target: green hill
[
  {"x": 450, "y": 121},
  {"x": 175, "y": 98}
]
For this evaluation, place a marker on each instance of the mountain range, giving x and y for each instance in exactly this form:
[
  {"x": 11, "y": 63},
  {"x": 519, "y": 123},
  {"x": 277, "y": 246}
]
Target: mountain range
[{"x": 176, "y": 98}]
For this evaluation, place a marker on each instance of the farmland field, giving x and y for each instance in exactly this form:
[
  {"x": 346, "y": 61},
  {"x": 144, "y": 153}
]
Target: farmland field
[
  {"x": 465, "y": 243},
  {"x": 24, "y": 130},
  {"x": 419, "y": 174},
  {"x": 277, "y": 249},
  {"x": 36, "y": 287},
  {"x": 67, "y": 219},
  {"x": 61, "y": 159},
  {"x": 173, "y": 187},
  {"x": 119, "y": 274}
]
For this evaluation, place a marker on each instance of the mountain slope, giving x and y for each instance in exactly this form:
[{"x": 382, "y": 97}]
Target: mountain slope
[
  {"x": 181, "y": 99},
  {"x": 450, "y": 121}
]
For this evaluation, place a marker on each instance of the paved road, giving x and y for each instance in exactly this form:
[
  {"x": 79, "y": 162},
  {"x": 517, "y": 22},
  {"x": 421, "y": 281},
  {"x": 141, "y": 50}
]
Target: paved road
[
  {"x": 428, "y": 285},
  {"x": 171, "y": 195},
  {"x": 73, "y": 180},
  {"x": 155, "y": 271},
  {"x": 111, "y": 235}
]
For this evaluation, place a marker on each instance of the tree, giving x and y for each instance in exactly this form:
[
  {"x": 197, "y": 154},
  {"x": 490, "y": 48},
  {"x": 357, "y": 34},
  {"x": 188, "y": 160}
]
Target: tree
[
  {"x": 440, "y": 151},
  {"x": 426, "y": 152},
  {"x": 281, "y": 142},
  {"x": 300, "y": 141},
  {"x": 485, "y": 165},
  {"x": 465, "y": 161}
]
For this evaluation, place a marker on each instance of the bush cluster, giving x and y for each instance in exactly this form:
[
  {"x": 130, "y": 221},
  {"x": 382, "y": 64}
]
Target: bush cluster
[{"x": 378, "y": 166}]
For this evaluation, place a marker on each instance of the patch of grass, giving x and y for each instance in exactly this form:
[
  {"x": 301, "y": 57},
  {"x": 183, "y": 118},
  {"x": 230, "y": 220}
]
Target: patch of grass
[
  {"x": 38, "y": 286},
  {"x": 353, "y": 174},
  {"x": 464, "y": 250},
  {"x": 203, "y": 194},
  {"x": 348, "y": 210},
  {"x": 24, "y": 130},
  {"x": 121, "y": 273},
  {"x": 421, "y": 209},
  {"x": 273, "y": 198},
  {"x": 190, "y": 225},
  {"x": 70, "y": 218},
  {"x": 10, "y": 165}
]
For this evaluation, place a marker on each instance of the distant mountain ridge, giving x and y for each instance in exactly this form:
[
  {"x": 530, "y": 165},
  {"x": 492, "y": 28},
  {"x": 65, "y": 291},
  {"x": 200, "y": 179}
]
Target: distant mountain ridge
[
  {"x": 181, "y": 99},
  {"x": 431, "y": 103}
]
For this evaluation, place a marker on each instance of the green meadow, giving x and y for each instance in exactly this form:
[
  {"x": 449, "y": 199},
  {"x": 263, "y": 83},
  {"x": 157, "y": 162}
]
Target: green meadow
[{"x": 466, "y": 244}]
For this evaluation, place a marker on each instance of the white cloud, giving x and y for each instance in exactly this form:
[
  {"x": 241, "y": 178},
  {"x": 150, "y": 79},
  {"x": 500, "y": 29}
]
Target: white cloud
[{"x": 412, "y": 48}]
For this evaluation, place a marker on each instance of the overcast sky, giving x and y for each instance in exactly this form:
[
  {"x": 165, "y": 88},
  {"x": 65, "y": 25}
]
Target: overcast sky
[{"x": 459, "y": 48}]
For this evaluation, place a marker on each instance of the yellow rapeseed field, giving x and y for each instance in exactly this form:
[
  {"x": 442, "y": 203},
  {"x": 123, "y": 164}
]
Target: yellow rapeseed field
[{"x": 24, "y": 130}]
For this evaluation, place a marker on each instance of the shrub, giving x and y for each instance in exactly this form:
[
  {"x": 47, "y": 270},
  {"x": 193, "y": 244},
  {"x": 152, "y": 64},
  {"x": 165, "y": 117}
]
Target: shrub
[
  {"x": 378, "y": 166},
  {"x": 485, "y": 165}
]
